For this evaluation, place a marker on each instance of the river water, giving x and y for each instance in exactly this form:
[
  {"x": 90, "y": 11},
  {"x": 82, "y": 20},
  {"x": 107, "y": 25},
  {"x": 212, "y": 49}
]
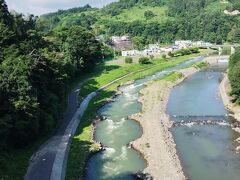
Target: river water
[
  {"x": 118, "y": 161},
  {"x": 206, "y": 151},
  {"x": 199, "y": 146}
]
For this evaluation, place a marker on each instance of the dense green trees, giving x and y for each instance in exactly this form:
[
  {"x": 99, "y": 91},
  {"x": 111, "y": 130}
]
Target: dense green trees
[
  {"x": 234, "y": 6},
  {"x": 196, "y": 20},
  {"x": 51, "y": 20},
  {"x": 149, "y": 14},
  {"x": 234, "y": 34},
  {"x": 82, "y": 49},
  {"x": 234, "y": 75},
  {"x": 35, "y": 73}
]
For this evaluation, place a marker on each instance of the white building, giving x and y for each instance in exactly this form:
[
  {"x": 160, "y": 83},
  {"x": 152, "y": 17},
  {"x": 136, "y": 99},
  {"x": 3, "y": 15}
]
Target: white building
[
  {"x": 182, "y": 44},
  {"x": 129, "y": 53},
  {"x": 202, "y": 44},
  {"x": 119, "y": 39},
  {"x": 233, "y": 13},
  {"x": 154, "y": 48},
  {"x": 166, "y": 49}
]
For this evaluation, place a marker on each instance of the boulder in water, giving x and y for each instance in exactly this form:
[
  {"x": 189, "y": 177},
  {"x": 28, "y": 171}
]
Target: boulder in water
[
  {"x": 238, "y": 140},
  {"x": 143, "y": 176}
]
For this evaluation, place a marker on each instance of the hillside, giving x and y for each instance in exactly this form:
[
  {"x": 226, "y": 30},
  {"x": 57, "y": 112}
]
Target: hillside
[{"x": 153, "y": 21}]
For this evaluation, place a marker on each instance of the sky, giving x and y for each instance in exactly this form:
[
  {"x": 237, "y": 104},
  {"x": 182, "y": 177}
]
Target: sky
[{"x": 38, "y": 7}]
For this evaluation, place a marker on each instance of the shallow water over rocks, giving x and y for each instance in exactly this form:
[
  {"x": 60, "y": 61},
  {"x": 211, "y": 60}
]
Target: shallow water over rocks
[
  {"x": 119, "y": 161},
  {"x": 202, "y": 128}
]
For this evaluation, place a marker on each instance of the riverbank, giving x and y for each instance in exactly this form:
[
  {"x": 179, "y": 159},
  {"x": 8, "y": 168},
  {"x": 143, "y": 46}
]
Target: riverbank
[
  {"x": 157, "y": 143},
  {"x": 225, "y": 90},
  {"x": 82, "y": 143}
]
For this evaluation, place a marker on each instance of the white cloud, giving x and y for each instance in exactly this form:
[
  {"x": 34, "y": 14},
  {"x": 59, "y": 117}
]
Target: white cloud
[{"x": 39, "y": 7}]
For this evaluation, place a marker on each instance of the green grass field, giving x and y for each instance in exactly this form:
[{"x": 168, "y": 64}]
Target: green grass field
[
  {"x": 137, "y": 13},
  {"x": 216, "y": 6}
]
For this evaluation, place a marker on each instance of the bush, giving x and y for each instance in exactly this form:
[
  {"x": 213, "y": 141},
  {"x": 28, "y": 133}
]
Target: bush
[
  {"x": 183, "y": 52},
  {"x": 151, "y": 57},
  {"x": 164, "y": 56},
  {"x": 128, "y": 60},
  {"x": 194, "y": 50},
  {"x": 170, "y": 54},
  {"x": 144, "y": 60},
  {"x": 149, "y": 14}
]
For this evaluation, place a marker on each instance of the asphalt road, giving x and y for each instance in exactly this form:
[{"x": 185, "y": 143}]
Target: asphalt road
[{"x": 41, "y": 163}]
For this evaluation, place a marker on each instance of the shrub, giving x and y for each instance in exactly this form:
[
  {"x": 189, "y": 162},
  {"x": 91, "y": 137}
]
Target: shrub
[
  {"x": 194, "y": 50},
  {"x": 144, "y": 60},
  {"x": 170, "y": 54},
  {"x": 151, "y": 57},
  {"x": 164, "y": 56},
  {"x": 128, "y": 60},
  {"x": 149, "y": 14}
]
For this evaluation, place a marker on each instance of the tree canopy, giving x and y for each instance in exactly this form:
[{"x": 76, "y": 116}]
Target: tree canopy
[
  {"x": 234, "y": 75},
  {"x": 35, "y": 73},
  {"x": 181, "y": 19}
]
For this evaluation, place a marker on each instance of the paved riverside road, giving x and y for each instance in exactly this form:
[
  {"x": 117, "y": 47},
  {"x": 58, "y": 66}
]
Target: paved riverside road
[{"x": 41, "y": 163}]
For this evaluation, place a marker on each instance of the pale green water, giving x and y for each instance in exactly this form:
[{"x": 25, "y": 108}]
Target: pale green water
[
  {"x": 207, "y": 152},
  {"x": 118, "y": 161}
]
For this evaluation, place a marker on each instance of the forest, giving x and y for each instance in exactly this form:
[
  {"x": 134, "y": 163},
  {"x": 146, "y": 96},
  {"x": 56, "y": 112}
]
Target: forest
[
  {"x": 155, "y": 21},
  {"x": 35, "y": 75}
]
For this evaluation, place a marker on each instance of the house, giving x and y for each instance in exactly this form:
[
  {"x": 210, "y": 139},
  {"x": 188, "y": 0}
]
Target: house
[
  {"x": 119, "y": 39},
  {"x": 202, "y": 44},
  {"x": 122, "y": 43},
  {"x": 129, "y": 53},
  {"x": 232, "y": 13},
  {"x": 125, "y": 38},
  {"x": 182, "y": 44},
  {"x": 153, "y": 49},
  {"x": 167, "y": 49}
]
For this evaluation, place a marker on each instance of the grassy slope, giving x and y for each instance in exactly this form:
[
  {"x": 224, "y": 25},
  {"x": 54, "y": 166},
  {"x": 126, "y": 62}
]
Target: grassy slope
[
  {"x": 216, "y": 6},
  {"x": 82, "y": 145},
  {"x": 137, "y": 13}
]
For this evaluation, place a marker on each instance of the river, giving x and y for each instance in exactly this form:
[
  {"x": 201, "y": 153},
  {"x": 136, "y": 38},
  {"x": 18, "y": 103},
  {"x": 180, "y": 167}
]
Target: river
[
  {"x": 206, "y": 151},
  {"x": 118, "y": 161}
]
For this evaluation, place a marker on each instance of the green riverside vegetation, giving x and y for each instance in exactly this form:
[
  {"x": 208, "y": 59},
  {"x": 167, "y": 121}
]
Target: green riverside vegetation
[
  {"x": 82, "y": 144},
  {"x": 36, "y": 74},
  {"x": 234, "y": 75}
]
